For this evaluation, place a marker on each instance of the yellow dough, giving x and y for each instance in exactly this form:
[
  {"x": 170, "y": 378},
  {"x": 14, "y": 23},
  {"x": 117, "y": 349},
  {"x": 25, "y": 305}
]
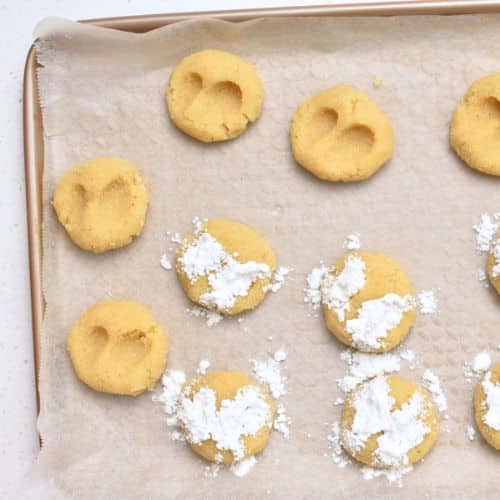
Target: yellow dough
[
  {"x": 382, "y": 277},
  {"x": 247, "y": 259},
  {"x": 481, "y": 407},
  {"x": 475, "y": 128},
  {"x": 340, "y": 135},
  {"x": 101, "y": 203},
  {"x": 374, "y": 448},
  {"x": 226, "y": 385},
  {"x": 116, "y": 346},
  {"x": 493, "y": 264},
  {"x": 212, "y": 95}
]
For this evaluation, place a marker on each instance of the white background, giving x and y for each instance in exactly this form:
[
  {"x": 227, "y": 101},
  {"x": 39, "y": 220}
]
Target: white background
[{"x": 18, "y": 437}]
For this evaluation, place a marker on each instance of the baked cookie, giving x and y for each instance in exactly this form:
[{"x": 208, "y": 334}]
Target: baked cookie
[
  {"x": 212, "y": 95},
  {"x": 226, "y": 416},
  {"x": 225, "y": 266},
  {"x": 340, "y": 135},
  {"x": 389, "y": 422},
  {"x": 493, "y": 264},
  {"x": 116, "y": 346},
  {"x": 487, "y": 406},
  {"x": 101, "y": 203},
  {"x": 475, "y": 127},
  {"x": 368, "y": 302}
]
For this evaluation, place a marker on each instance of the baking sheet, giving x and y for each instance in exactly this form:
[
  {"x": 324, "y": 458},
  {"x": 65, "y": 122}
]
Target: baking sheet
[{"x": 418, "y": 209}]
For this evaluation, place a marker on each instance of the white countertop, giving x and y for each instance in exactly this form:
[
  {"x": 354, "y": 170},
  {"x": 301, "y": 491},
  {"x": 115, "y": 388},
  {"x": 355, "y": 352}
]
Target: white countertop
[{"x": 18, "y": 436}]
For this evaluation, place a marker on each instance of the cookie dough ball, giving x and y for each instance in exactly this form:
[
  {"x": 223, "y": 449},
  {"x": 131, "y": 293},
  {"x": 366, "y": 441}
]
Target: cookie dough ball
[
  {"x": 493, "y": 264},
  {"x": 116, "y": 346},
  {"x": 389, "y": 422},
  {"x": 487, "y": 407},
  {"x": 212, "y": 95},
  {"x": 475, "y": 127},
  {"x": 237, "y": 416},
  {"x": 368, "y": 302},
  {"x": 340, "y": 135},
  {"x": 101, "y": 203},
  {"x": 225, "y": 266}
]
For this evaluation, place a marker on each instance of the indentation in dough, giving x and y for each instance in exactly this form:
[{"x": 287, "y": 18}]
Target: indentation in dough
[
  {"x": 322, "y": 122},
  {"x": 226, "y": 96},
  {"x": 115, "y": 200},
  {"x": 354, "y": 142},
  {"x": 96, "y": 341},
  {"x": 132, "y": 347},
  {"x": 491, "y": 107},
  {"x": 193, "y": 86}
]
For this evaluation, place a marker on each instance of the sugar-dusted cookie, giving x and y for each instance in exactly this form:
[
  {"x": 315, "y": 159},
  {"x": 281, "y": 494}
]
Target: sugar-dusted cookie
[
  {"x": 368, "y": 301},
  {"x": 225, "y": 266},
  {"x": 212, "y": 95},
  {"x": 226, "y": 416},
  {"x": 116, "y": 346},
  {"x": 340, "y": 135},
  {"x": 475, "y": 127},
  {"x": 487, "y": 406},
  {"x": 493, "y": 264},
  {"x": 389, "y": 422},
  {"x": 101, "y": 203}
]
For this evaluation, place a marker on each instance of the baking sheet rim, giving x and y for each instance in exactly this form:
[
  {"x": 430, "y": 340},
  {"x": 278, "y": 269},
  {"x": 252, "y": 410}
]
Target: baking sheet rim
[{"x": 32, "y": 119}]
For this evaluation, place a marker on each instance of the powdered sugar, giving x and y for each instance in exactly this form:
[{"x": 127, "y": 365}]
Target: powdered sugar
[
  {"x": 427, "y": 302},
  {"x": 492, "y": 402},
  {"x": 282, "y": 421},
  {"x": 481, "y": 362},
  {"x": 495, "y": 251},
  {"x": 352, "y": 241},
  {"x": 363, "y": 366},
  {"x": 339, "y": 456},
  {"x": 393, "y": 475},
  {"x": 278, "y": 279},
  {"x": 471, "y": 433},
  {"x": 485, "y": 231},
  {"x": 433, "y": 384},
  {"x": 165, "y": 262},
  {"x": 402, "y": 429},
  {"x": 376, "y": 318},
  {"x": 268, "y": 372},
  {"x": 336, "y": 291},
  {"x": 211, "y": 317},
  {"x": 203, "y": 367},
  {"x": 243, "y": 467},
  {"x": 312, "y": 292}
]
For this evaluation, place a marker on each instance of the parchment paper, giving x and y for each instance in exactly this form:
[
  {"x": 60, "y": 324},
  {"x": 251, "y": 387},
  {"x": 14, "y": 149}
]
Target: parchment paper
[{"x": 103, "y": 94}]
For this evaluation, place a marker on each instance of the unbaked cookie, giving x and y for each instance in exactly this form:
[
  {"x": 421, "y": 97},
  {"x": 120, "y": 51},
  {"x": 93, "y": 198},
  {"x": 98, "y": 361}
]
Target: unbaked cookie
[
  {"x": 487, "y": 406},
  {"x": 475, "y": 127},
  {"x": 101, "y": 203},
  {"x": 226, "y": 416},
  {"x": 389, "y": 422},
  {"x": 212, "y": 95},
  {"x": 225, "y": 266},
  {"x": 340, "y": 135},
  {"x": 493, "y": 264},
  {"x": 368, "y": 302},
  {"x": 116, "y": 346}
]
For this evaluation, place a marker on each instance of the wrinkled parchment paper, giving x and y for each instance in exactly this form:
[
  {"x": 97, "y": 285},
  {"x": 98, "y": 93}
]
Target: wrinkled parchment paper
[{"x": 103, "y": 94}]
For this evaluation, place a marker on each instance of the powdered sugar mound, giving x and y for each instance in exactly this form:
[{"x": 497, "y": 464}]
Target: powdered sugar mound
[
  {"x": 211, "y": 470},
  {"x": 394, "y": 476},
  {"x": 485, "y": 231},
  {"x": 363, "y": 366},
  {"x": 278, "y": 279},
  {"x": 427, "y": 302},
  {"x": 203, "y": 366},
  {"x": 492, "y": 391},
  {"x": 268, "y": 372},
  {"x": 165, "y": 262},
  {"x": 211, "y": 317},
  {"x": 352, "y": 241},
  {"x": 376, "y": 318},
  {"x": 312, "y": 292},
  {"x": 282, "y": 421},
  {"x": 336, "y": 291},
  {"x": 409, "y": 356},
  {"x": 481, "y": 362},
  {"x": 402, "y": 429},
  {"x": 176, "y": 436},
  {"x": 172, "y": 382},
  {"x": 243, "y": 467},
  {"x": 339, "y": 456},
  {"x": 433, "y": 384},
  {"x": 471, "y": 433}
]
